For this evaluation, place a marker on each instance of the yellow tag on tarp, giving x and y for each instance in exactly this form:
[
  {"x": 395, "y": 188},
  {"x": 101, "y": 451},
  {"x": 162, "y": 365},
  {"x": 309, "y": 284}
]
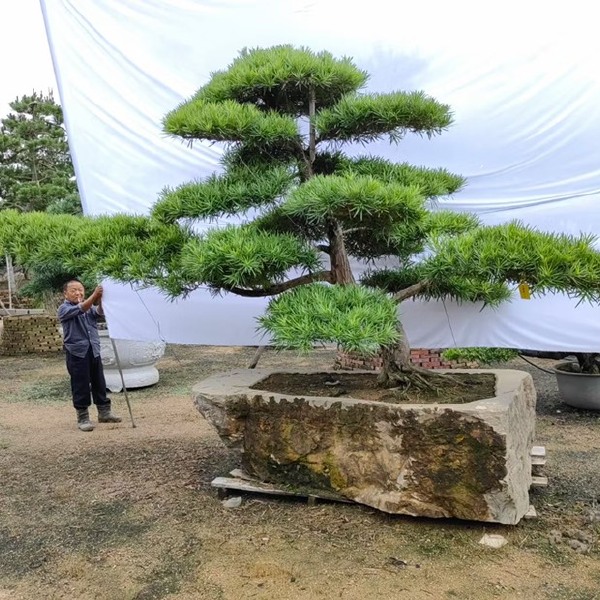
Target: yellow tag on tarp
[{"x": 525, "y": 291}]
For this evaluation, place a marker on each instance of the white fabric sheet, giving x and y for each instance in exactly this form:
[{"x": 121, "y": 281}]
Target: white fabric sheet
[{"x": 521, "y": 79}]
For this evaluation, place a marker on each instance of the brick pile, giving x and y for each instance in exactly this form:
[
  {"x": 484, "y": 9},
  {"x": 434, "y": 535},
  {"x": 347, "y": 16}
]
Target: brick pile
[
  {"x": 17, "y": 301},
  {"x": 426, "y": 358},
  {"x": 30, "y": 334}
]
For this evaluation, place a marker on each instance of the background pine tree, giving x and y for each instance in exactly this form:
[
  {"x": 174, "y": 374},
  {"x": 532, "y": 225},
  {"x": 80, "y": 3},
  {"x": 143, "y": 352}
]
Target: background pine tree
[{"x": 36, "y": 172}]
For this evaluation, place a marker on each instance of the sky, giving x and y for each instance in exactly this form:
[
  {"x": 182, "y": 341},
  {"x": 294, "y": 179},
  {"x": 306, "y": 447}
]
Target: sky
[{"x": 26, "y": 63}]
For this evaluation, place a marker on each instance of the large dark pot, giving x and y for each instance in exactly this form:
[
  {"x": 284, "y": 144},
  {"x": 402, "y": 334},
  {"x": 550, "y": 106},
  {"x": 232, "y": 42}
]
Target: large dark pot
[{"x": 580, "y": 390}]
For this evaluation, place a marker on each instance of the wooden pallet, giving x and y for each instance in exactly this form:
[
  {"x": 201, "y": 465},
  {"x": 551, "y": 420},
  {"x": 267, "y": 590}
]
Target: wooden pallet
[
  {"x": 241, "y": 482},
  {"x": 538, "y": 462}
]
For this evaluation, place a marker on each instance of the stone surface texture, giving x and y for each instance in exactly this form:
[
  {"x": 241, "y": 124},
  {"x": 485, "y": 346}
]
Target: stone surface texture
[{"x": 467, "y": 461}]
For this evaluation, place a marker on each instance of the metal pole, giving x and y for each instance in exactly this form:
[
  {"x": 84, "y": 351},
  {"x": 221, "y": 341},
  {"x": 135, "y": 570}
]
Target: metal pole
[
  {"x": 10, "y": 276},
  {"x": 122, "y": 380}
]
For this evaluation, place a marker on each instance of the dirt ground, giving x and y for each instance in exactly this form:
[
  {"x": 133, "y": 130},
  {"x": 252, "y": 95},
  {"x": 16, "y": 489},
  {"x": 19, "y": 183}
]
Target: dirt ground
[{"x": 129, "y": 514}]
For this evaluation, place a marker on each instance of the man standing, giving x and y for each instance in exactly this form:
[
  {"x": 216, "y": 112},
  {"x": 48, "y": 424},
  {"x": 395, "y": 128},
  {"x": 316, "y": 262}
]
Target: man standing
[{"x": 79, "y": 318}]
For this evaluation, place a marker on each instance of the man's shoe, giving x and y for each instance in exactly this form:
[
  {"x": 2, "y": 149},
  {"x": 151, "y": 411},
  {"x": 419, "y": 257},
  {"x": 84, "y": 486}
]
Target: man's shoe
[
  {"x": 105, "y": 416},
  {"x": 83, "y": 420}
]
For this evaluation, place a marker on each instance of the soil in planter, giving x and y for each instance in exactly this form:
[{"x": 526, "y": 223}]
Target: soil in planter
[{"x": 457, "y": 388}]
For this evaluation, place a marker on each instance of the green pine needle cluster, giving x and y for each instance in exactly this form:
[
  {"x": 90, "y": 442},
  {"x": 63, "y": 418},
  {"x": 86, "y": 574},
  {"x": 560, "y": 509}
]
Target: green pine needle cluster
[
  {"x": 491, "y": 258},
  {"x": 223, "y": 195},
  {"x": 230, "y": 121},
  {"x": 357, "y": 318},
  {"x": 54, "y": 248},
  {"x": 244, "y": 258},
  {"x": 431, "y": 182},
  {"x": 445, "y": 223},
  {"x": 280, "y": 78},
  {"x": 354, "y": 199},
  {"x": 370, "y": 117}
]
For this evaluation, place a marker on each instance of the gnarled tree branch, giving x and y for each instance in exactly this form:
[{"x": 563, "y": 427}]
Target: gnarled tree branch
[
  {"x": 355, "y": 229},
  {"x": 410, "y": 291},
  {"x": 279, "y": 288}
]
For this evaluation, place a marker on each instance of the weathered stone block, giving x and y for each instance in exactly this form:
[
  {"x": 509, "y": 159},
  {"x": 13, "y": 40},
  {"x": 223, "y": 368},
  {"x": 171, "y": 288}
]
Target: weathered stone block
[{"x": 469, "y": 461}]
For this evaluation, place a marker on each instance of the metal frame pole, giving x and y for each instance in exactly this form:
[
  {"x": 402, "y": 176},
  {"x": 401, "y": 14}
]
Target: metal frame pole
[
  {"x": 10, "y": 276},
  {"x": 122, "y": 379}
]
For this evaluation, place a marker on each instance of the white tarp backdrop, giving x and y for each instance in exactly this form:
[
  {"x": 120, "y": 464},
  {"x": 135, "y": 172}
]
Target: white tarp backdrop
[{"x": 521, "y": 77}]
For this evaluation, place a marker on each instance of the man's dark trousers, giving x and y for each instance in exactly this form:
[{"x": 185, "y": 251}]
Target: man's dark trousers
[{"x": 86, "y": 372}]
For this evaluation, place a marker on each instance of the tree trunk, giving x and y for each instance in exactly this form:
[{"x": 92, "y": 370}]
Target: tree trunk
[
  {"x": 398, "y": 371},
  {"x": 309, "y": 159},
  {"x": 312, "y": 134},
  {"x": 340, "y": 264},
  {"x": 396, "y": 360}
]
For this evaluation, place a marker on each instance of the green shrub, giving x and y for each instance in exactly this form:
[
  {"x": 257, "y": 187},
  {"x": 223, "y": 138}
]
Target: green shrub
[{"x": 483, "y": 356}]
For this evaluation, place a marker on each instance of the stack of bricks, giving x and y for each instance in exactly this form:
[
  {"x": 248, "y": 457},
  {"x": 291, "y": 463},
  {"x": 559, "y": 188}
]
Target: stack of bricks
[
  {"x": 30, "y": 334},
  {"x": 431, "y": 358},
  {"x": 426, "y": 358},
  {"x": 17, "y": 301}
]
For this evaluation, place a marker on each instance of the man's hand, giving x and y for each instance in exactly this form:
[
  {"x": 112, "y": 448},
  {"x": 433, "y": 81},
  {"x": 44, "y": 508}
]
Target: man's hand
[
  {"x": 99, "y": 291},
  {"x": 95, "y": 298}
]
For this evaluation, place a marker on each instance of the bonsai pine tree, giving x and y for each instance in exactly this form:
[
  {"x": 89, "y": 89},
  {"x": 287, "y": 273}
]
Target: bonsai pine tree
[{"x": 307, "y": 214}]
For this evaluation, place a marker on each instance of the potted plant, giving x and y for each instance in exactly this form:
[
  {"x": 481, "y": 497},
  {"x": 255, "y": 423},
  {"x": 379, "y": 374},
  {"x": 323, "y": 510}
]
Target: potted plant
[
  {"x": 313, "y": 201},
  {"x": 308, "y": 213},
  {"x": 579, "y": 380},
  {"x": 577, "y": 376}
]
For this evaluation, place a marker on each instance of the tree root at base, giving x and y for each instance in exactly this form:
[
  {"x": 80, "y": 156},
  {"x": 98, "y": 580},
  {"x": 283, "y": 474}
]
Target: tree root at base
[{"x": 401, "y": 379}]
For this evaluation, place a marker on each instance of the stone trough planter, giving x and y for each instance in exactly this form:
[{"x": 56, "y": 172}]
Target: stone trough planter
[{"x": 468, "y": 461}]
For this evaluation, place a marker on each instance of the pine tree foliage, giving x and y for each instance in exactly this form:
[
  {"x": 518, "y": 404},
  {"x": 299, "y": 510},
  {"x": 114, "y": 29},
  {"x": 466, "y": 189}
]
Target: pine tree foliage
[
  {"x": 36, "y": 172},
  {"x": 357, "y": 318},
  {"x": 55, "y": 248},
  {"x": 218, "y": 196},
  {"x": 367, "y": 207},
  {"x": 282, "y": 78},
  {"x": 306, "y": 210},
  {"x": 243, "y": 260},
  {"x": 369, "y": 117}
]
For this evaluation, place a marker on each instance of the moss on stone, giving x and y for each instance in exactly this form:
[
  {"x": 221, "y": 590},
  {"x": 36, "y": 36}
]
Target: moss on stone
[{"x": 454, "y": 460}]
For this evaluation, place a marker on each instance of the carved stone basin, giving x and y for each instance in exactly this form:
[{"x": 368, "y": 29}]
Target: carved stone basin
[
  {"x": 137, "y": 360},
  {"x": 468, "y": 461}
]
